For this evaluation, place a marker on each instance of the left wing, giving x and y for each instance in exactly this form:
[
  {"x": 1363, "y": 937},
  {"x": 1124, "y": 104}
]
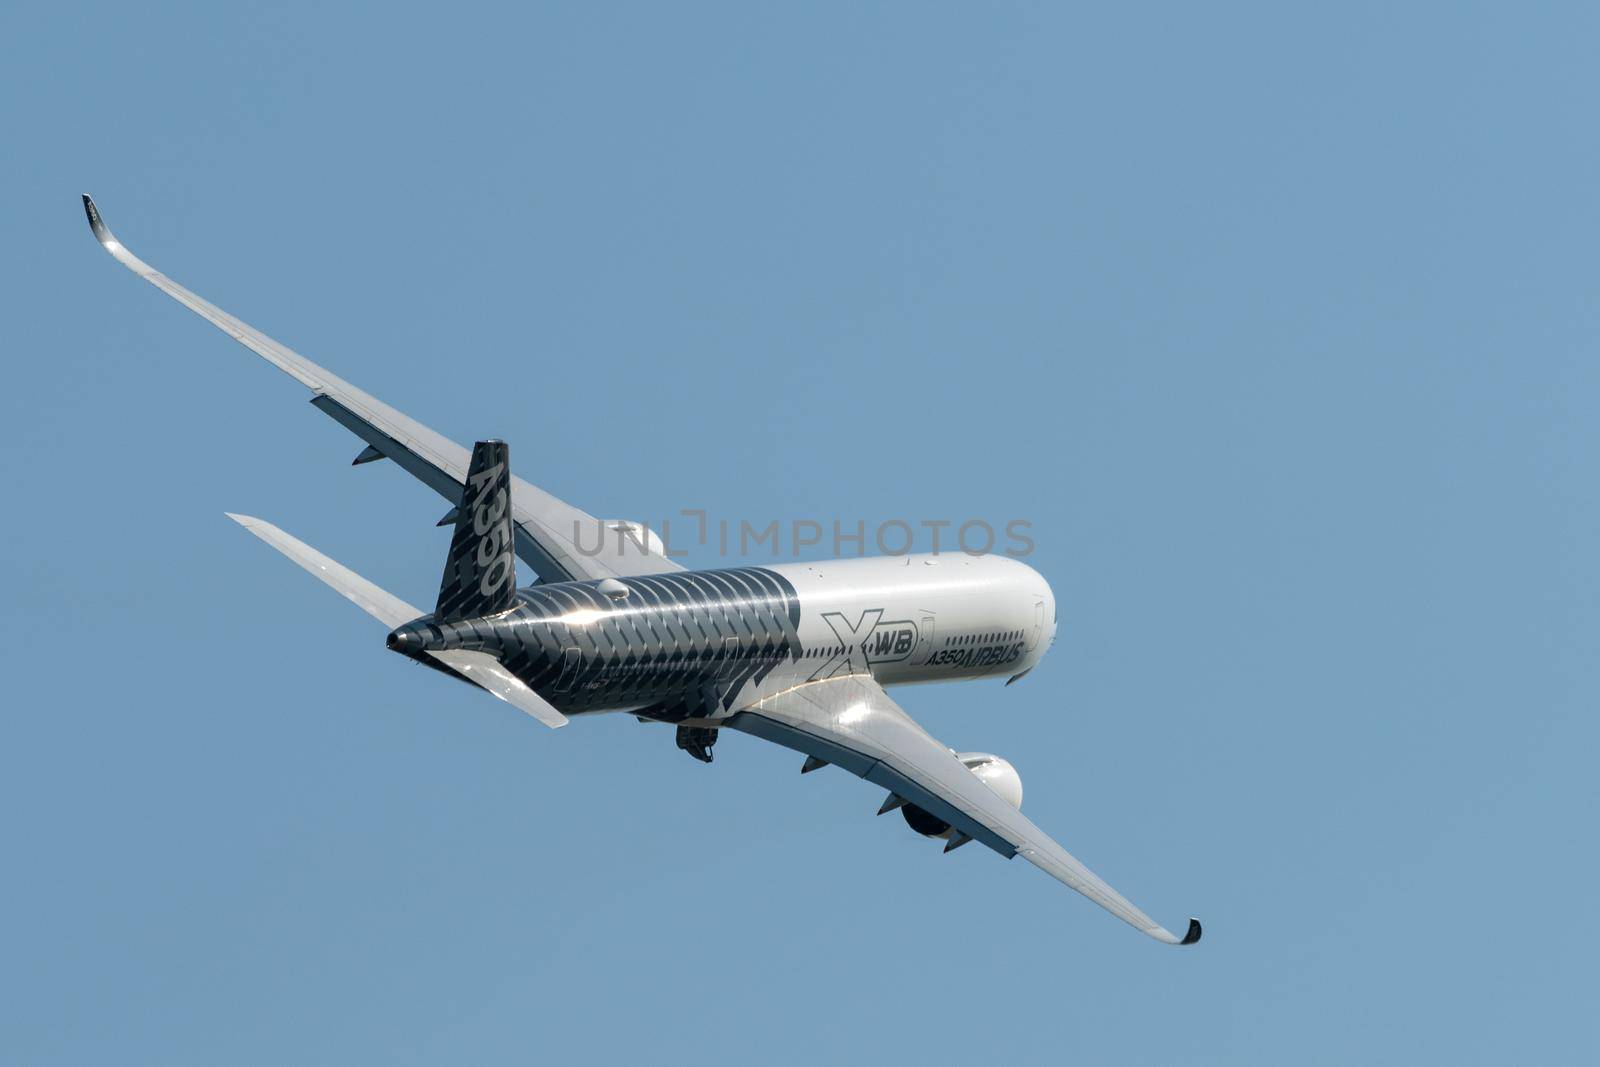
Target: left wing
[
  {"x": 851, "y": 723},
  {"x": 546, "y": 530}
]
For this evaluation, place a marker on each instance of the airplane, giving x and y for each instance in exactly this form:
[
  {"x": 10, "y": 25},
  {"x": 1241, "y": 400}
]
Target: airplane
[{"x": 800, "y": 654}]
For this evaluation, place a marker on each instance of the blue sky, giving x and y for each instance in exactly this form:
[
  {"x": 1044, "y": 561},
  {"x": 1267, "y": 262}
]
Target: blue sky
[{"x": 1276, "y": 321}]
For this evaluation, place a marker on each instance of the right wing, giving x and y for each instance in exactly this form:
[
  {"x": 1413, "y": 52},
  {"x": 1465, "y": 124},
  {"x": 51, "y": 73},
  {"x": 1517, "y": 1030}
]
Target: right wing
[
  {"x": 852, "y": 723},
  {"x": 478, "y": 668},
  {"x": 547, "y": 529}
]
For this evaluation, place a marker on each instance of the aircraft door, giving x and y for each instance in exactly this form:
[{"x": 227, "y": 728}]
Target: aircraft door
[
  {"x": 571, "y": 667},
  {"x": 925, "y": 638},
  {"x": 1038, "y": 626}
]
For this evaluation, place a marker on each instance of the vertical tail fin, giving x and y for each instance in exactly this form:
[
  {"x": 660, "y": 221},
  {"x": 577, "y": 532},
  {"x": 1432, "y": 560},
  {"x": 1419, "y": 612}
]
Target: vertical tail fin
[{"x": 480, "y": 577}]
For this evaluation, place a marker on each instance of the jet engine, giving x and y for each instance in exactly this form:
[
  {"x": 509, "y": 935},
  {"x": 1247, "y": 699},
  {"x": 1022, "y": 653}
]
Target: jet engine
[
  {"x": 992, "y": 771},
  {"x": 618, "y": 531}
]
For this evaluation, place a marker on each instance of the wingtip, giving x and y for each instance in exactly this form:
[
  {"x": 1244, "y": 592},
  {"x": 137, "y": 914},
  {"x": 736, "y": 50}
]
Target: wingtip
[
  {"x": 242, "y": 520},
  {"x": 96, "y": 224},
  {"x": 1165, "y": 936}
]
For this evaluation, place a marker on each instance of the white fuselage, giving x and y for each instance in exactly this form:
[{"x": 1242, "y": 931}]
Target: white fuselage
[{"x": 921, "y": 618}]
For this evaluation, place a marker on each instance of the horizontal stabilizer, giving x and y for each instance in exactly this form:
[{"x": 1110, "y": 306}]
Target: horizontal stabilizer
[
  {"x": 486, "y": 672},
  {"x": 379, "y": 603},
  {"x": 479, "y": 668}
]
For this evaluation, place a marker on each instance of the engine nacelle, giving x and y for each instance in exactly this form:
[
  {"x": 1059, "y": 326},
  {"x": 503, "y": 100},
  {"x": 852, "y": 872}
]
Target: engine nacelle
[
  {"x": 636, "y": 533},
  {"x": 923, "y": 823},
  {"x": 997, "y": 774},
  {"x": 992, "y": 771}
]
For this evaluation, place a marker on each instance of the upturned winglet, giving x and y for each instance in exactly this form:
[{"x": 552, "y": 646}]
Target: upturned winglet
[
  {"x": 96, "y": 224},
  {"x": 1190, "y": 936}
]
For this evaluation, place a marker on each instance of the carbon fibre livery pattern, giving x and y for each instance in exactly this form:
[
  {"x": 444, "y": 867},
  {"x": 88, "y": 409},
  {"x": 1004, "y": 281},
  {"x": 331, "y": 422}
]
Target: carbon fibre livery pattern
[
  {"x": 480, "y": 573},
  {"x": 673, "y": 647}
]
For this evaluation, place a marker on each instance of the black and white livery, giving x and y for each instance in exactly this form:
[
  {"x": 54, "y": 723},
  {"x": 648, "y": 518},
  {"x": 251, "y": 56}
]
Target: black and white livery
[{"x": 799, "y": 654}]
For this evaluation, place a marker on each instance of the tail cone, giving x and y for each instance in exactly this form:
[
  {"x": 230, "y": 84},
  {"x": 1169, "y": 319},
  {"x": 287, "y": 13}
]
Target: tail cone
[{"x": 410, "y": 639}]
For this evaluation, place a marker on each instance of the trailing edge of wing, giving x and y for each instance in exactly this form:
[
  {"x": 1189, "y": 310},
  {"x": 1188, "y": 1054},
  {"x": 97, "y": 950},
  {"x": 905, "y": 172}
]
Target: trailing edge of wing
[
  {"x": 547, "y": 529},
  {"x": 479, "y": 668}
]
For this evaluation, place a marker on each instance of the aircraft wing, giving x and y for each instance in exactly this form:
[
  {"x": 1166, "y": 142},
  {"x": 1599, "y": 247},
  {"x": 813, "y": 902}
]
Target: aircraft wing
[
  {"x": 548, "y": 531},
  {"x": 852, "y": 723}
]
